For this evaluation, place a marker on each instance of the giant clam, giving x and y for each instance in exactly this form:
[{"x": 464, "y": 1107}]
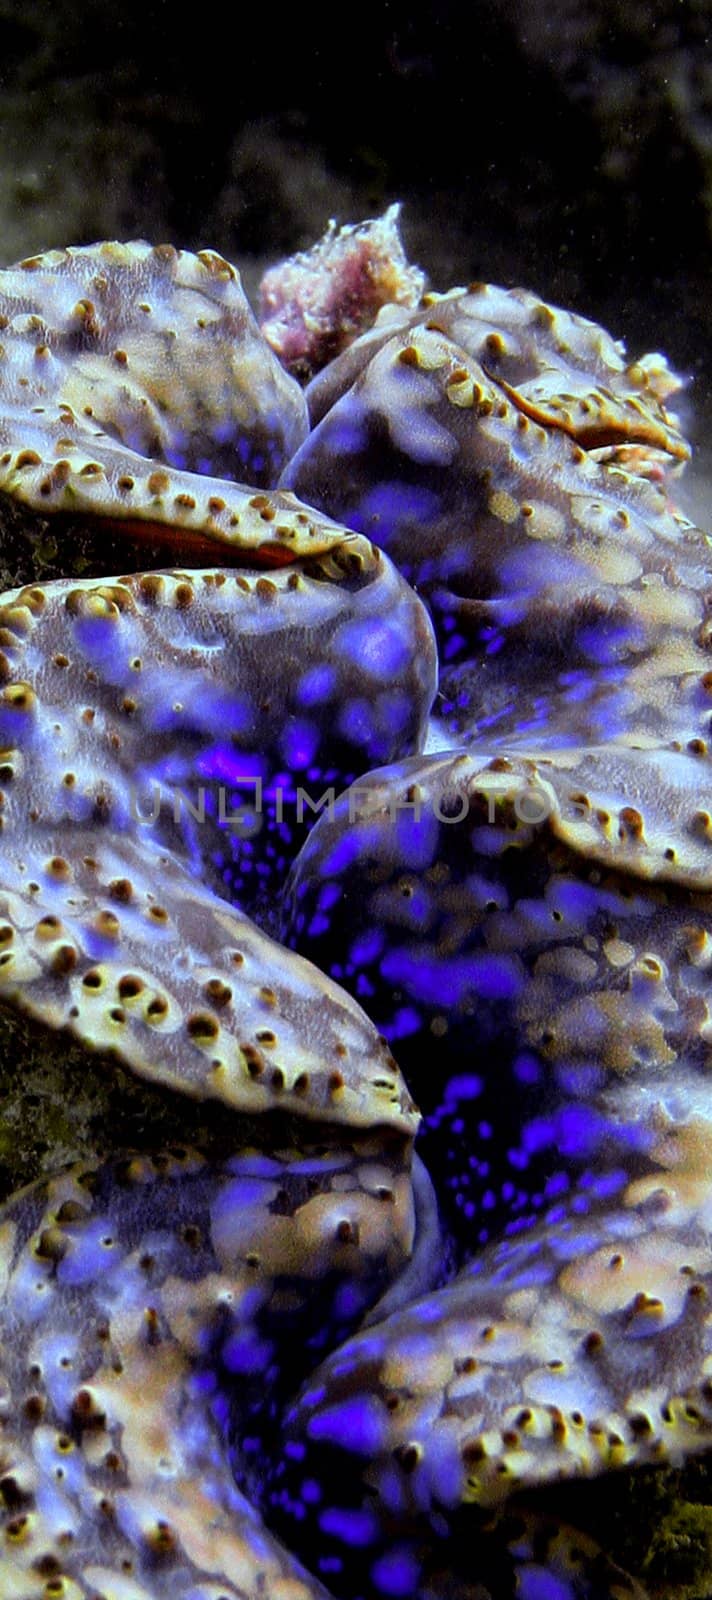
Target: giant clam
[{"x": 265, "y": 1362}]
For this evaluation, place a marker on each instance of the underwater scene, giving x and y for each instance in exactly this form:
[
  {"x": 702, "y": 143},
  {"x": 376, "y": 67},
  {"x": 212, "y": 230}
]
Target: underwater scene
[{"x": 355, "y": 803}]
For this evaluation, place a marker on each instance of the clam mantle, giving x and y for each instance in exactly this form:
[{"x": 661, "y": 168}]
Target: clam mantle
[{"x": 240, "y": 862}]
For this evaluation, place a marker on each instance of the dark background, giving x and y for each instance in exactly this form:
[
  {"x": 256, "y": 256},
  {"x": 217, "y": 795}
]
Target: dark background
[
  {"x": 567, "y": 147},
  {"x": 572, "y": 141}
]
